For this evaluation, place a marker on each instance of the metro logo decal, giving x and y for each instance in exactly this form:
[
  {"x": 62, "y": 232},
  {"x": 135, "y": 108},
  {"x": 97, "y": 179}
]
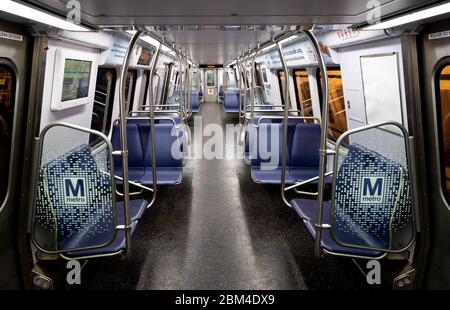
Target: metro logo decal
[
  {"x": 372, "y": 190},
  {"x": 75, "y": 190}
]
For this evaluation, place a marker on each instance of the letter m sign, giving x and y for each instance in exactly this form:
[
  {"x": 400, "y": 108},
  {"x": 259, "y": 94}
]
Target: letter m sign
[
  {"x": 74, "y": 191},
  {"x": 372, "y": 190}
]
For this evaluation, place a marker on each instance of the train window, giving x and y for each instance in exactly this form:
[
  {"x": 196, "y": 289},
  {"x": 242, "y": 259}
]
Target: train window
[
  {"x": 7, "y": 92},
  {"x": 104, "y": 100},
  {"x": 303, "y": 92},
  {"x": 282, "y": 82},
  {"x": 130, "y": 87},
  {"x": 210, "y": 79},
  {"x": 444, "y": 119},
  {"x": 337, "y": 117},
  {"x": 264, "y": 74},
  {"x": 147, "y": 84}
]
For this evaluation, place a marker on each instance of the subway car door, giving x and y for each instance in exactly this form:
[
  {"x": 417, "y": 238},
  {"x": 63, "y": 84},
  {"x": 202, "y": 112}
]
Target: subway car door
[
  {"x": 435, "y": 74},
  {"x": 14, "y": 43},
  {"x": 211, "y": 93}
]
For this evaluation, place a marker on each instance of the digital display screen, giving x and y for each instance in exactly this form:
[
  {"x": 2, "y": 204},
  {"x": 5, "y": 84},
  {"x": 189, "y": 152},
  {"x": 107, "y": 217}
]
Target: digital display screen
[{"x": 77, "y": 75}]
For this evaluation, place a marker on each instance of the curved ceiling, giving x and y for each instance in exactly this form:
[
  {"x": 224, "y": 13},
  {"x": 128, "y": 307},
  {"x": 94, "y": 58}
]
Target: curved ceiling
[{"x": 212, "y": 44}]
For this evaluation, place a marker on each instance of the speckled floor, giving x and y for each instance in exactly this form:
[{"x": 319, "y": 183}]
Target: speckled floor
[{"x": 220, "y": 230}]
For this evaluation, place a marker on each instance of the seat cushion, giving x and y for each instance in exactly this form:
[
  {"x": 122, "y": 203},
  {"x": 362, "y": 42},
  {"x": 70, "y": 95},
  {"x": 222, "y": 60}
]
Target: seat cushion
[
  {"x": 137, "y": 210},
  {"x": 260, "y": 175},
  {"x": 307, "y": 210},
  {"x": 164, "y": 176}
]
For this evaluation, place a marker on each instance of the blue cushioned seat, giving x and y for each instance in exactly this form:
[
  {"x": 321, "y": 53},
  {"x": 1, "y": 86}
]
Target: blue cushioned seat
[
  {"x": 81, "y": 224},
  {"x": 169, "y": 157},
  {"x": 232, "y": 102},
  {"x": 221, "y": 93},
  {"x": 135, "y": 152},
  {"x": 307, "y": 210},
  {"x": 372, "y": 206},
  {"x": 302, "y": 157},
  {"x": 195, "y": 101}
]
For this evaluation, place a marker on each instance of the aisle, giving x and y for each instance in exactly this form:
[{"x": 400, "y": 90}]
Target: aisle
[{"x": 220, "y": 230}]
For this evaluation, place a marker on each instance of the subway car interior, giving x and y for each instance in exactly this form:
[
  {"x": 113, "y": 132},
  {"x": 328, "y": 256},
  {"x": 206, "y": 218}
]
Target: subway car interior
[{"x": 224, "y": 145}]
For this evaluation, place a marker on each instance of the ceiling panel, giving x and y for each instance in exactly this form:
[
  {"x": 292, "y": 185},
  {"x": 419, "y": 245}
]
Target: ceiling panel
[{"x": 216, "y": 46}]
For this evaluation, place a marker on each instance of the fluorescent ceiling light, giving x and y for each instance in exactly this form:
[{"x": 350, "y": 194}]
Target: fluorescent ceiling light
[
  {"x": 288, "y": 39},
  {"x": 268, "y": 48},
  {"x": 27, "y": 12},
  {"x": 413, "y": 17},
  {"x": 154, "y": 42}
]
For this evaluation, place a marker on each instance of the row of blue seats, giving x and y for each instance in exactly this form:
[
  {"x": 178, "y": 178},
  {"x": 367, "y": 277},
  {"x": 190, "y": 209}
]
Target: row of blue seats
[
  {"x": 302, "y": 152},
  {"x": 169, "y": 157}
]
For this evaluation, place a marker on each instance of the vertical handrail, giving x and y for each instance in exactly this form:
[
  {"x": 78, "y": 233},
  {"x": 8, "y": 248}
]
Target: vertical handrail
[
  {"x": 253, "y": 93},
  {"x": 323, "y": 140},
  {"x": 175, "y": 85},
  {"x": 152, "y": 125},
  {"x": 285, "y": 125},
  {"x": 123, "y": 138},
  {"x": 240, "y": 81}
]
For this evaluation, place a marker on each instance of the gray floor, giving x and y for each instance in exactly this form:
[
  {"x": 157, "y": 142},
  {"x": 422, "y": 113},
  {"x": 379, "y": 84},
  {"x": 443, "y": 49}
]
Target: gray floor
[{"x": 220, "y": 230}]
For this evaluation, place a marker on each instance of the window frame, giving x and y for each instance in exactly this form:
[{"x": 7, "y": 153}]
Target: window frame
[
  {"x": 442, "y": 64},
  {"x": 297, "y": 95},
  {"x": 109, "y": 106},
  {"x": 319, "y": 88},
  {"x": 8, "y": 64}
]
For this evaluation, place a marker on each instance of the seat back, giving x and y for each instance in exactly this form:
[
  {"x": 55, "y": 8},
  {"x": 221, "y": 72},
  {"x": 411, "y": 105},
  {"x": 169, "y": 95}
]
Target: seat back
[
  {"x": 168, "y": 146},
  {"x": 372, "y": 203},
  {"x": 74, "y": 202},
  {"x": 231, "y": 100},
  {"x": 221, "y": 92},
  {"x": 305, "y": 146},
  {"x": 137, "y": 138},
  {"x": 266, "y": 145},
  {"x": 195, "y": 100}
]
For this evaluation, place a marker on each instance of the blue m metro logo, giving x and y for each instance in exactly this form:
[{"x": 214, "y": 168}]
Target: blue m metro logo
[
  {"x": 372, "y": 191},
  {"x": 74, "y": 191}
]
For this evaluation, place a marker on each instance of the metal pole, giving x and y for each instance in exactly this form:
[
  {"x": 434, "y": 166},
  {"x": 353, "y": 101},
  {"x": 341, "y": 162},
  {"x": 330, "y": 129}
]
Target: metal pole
[
  {"x": 152, "y": 124},
  {"x": 253, "y": 94},
  {"x": 123, "y": 138},
  {"x": 323, "y": 140},
  {"x": 285, "y": 125}
]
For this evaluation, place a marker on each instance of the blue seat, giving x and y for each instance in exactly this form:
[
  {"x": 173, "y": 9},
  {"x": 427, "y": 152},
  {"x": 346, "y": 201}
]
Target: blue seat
[
  {"x": 221, "y": 93},
  {"x": 169, "y": 157},
  {"x": 358, "y": 219},
  {"x": 81, "y": 224},
  {"x": 302, "y": 154},
  {"x": 135, "y": 143},
  {"x": 232, "y": 102},
  {"x": 260, "y": 119},
  {"x": 195, "y": 101},
  {"x": 307, "y": 210}
]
